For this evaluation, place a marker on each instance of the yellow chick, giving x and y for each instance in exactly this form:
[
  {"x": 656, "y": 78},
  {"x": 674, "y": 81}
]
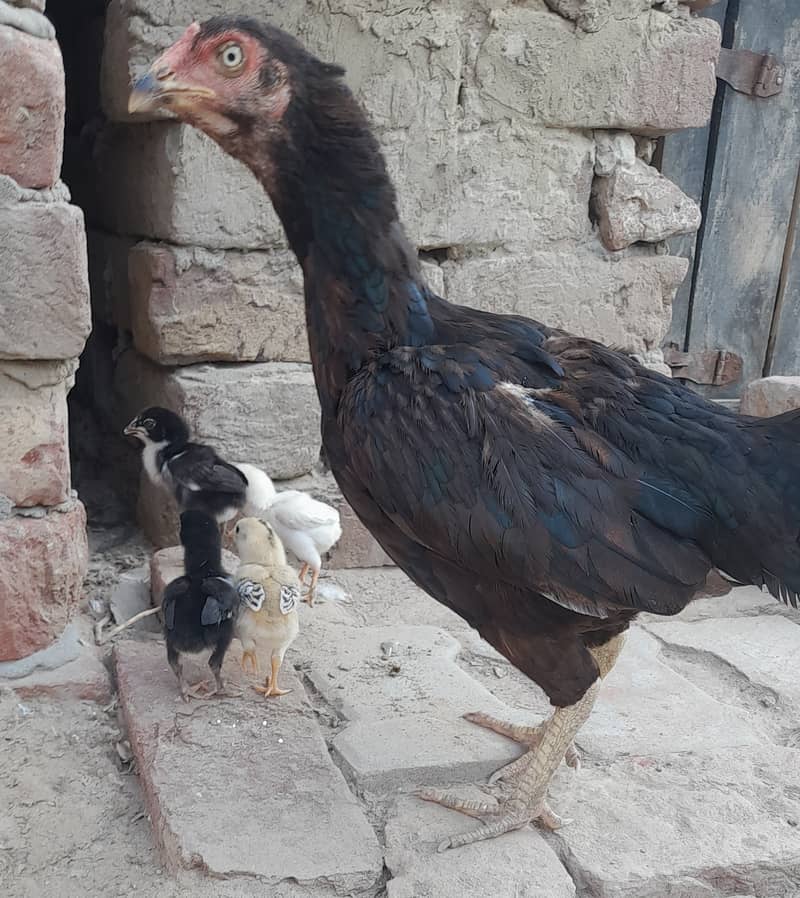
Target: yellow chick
[{"x": 269, "y": 591}]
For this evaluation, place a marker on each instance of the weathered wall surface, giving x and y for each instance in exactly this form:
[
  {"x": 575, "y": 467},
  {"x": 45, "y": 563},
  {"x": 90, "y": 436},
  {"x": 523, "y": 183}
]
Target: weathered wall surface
[
  {"x": 519, "y": 135},
  {"x": 45, "y": 314}
]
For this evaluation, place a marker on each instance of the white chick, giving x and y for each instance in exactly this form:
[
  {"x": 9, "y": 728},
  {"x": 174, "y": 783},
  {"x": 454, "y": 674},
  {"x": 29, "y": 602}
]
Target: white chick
[
  {"x": 269, "y": 591},
  {"x": 307, "y": 527}
]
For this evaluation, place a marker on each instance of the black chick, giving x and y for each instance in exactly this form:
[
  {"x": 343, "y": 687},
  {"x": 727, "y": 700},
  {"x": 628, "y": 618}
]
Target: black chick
[
  {"x": 200, "y": 607},
  {"x": 194, "y": 473}
]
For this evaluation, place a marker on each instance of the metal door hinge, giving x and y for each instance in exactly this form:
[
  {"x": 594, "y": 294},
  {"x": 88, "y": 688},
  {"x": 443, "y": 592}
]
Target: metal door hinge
[
  {"x": 755, "y": 74},
  {"x": 716, "y": 367}
]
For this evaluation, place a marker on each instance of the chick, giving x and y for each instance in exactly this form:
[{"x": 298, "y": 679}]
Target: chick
[
  {"x": 200, "y": 607},
  {"x": 193, "y": 472},
  {"x": 269, "y": 591},
  {"x": 307, "y": 527}
]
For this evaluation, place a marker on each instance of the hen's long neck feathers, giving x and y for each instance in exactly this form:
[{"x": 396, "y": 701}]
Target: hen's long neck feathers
[{"x": 327, "y": 179}]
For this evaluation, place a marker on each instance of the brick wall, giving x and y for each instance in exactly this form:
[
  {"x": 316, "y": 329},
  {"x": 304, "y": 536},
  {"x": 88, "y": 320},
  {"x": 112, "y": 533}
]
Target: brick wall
[{"x": 44, "y": 310}]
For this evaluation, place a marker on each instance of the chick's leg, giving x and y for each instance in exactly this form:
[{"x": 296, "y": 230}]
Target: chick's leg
[
  {"x": 303, "y": 572},
  {"x": 215, "y": 663},
  {"x": 174, "y": 660},
  {"x": 314, "y": 577},
  {"x": 528, "y": 800},
  {"x": 249, "y": 658},
  {"x": 271, "y": 689}
]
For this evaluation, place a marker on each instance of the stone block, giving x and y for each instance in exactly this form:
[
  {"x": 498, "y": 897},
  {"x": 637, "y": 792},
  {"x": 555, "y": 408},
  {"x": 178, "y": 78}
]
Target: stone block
[
  {"x": 403, "y": 697},
  {"x": 691, "y": 825},
  {"x": 635, "y": 203},
  {"x": 278, "y": 810},
  {"x": 266, "y": 414},
  {"x": 621, "y": 301},
  {"x": 44, "y": 303},
  {"x": 170, "y": 182},
  {"x": 647, "y": 709},
  {"x": 405, "y": 68},
  {"x": 31, "y": 108},
  {"x": 190, "y": 305},
  {"x": 166, "y": 565},
  {"x": 512, "y": 185},
  {"x": 34, "y": 452},
  {"x": 770, "y": 396},
  {"x": 649, "y": 73},
  {"x": 44, "y": 562},
  {"x": 761, "y": 650},
  {"x": 518, "y": 865}
]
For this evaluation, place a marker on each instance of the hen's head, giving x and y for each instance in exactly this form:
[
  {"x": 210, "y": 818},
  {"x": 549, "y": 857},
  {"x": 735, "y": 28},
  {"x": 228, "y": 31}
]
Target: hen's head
[{"x": 228, "y": 74}]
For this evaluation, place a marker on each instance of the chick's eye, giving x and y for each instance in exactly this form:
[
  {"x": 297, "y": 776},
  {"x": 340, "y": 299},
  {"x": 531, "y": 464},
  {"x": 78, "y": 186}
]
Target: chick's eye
[
  {"x": 232, "y": 56},
  {"x": 149, "y": 423}
]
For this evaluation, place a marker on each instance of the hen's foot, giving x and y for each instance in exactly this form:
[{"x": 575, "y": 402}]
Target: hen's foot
[
  {"x": 497, "y": 819},
  {"x": 532, "y": 773},
  {"x": 528, "y": 736}
]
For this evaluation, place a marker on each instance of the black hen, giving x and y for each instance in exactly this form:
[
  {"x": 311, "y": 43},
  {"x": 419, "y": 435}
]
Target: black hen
[
  {"x": 544, "y": 487},
  {"x": 193, "y": 472},
  {"x": 200, "y": 607}
]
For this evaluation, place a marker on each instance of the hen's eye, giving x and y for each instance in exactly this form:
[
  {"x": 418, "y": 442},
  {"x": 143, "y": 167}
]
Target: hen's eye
[{"x": 232, "y": 56}]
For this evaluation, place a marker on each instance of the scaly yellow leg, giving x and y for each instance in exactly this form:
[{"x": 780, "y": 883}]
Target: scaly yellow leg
[
  {"x": 528, "y": 800},
  {"x": 270, "y": 689}
]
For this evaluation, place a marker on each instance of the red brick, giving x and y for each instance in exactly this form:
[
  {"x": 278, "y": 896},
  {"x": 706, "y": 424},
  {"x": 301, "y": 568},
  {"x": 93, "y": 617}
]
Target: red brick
[
  {"x": 34, "y": 454},
  {"x": 31, "y": 109},
  {"x": 44, "y": 563},
  {"x": 44, "y": 303}
]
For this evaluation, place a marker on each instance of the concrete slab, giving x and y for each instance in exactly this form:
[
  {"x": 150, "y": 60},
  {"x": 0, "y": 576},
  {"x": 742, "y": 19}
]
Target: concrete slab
[
  {"x": 519, "y": 865},
  {"x": 763, "y": 650},
  {"x": 706, "y": 826},
  {"x": 646, "y": 708},
  {"x": 403, "y": 694},
  {"x": 242, "y": 788}
]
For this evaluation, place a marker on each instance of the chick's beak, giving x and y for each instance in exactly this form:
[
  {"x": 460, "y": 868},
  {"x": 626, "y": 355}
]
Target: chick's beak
[
  {"x": 131, "y": 430},
  {"x": 160, "y": 89}
]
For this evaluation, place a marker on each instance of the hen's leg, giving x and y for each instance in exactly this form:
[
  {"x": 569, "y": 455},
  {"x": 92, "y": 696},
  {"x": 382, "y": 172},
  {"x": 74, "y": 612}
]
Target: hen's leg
[
  {"x": 528, "y": 800},
  {"x": 271, "y": 689}
]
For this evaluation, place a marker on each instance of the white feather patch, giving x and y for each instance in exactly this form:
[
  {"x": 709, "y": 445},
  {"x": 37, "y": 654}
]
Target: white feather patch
[
  {"x": 290, "y": 596},
  {"x": 251, "y": 594}
]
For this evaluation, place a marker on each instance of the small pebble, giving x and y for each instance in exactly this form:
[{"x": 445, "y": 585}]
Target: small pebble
[{"x": 280, "y": 741}]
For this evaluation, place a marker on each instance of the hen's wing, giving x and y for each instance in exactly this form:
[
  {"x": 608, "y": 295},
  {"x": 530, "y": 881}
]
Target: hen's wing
[
  {"x": 199, "y": 468},
  {"x": 299, "y": 511},
  {"x": 484, "y": 459}
]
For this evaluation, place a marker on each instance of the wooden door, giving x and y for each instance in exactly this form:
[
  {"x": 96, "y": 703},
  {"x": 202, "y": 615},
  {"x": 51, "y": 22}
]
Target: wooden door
[{"x": 742, "y": 294}]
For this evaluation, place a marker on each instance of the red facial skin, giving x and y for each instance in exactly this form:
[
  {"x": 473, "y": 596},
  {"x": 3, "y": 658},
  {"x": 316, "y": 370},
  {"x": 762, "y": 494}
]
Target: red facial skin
[{"x": 192, "y": 80}]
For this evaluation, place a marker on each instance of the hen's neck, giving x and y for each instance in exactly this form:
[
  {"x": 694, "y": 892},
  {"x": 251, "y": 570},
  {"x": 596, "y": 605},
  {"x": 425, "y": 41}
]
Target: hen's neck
[{"x": 328, "y": 182}]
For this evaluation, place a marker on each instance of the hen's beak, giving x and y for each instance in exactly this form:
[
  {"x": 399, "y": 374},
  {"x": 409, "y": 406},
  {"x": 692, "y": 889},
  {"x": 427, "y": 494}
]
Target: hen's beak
[{"x": 155, "y": 91}]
